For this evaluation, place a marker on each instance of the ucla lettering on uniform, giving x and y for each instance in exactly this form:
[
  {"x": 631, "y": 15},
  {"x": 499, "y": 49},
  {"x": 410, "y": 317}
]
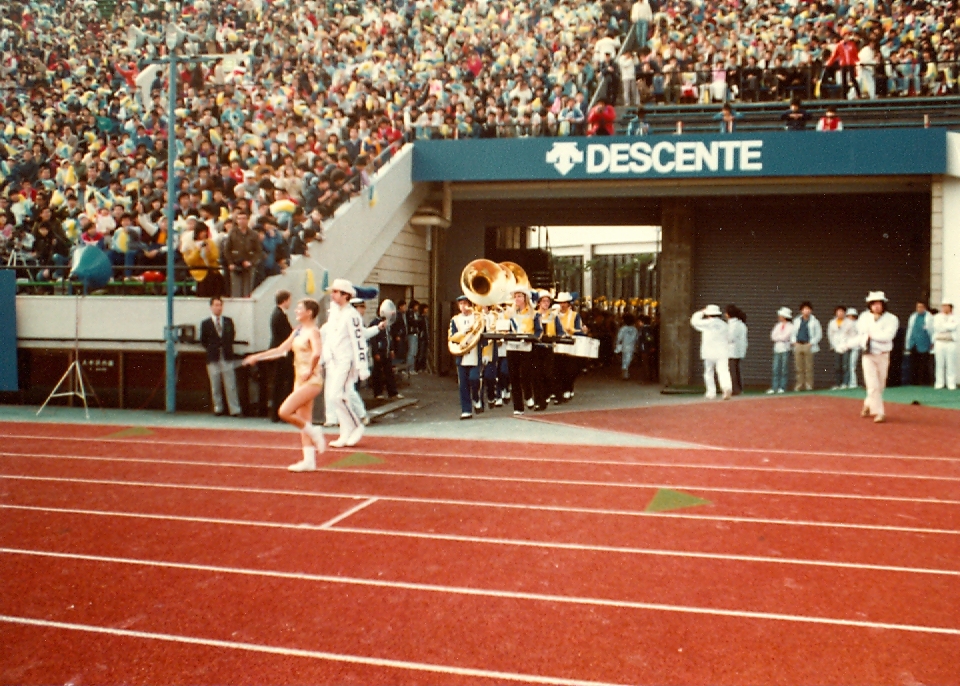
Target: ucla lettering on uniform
[{"x": 667, "y": 157}]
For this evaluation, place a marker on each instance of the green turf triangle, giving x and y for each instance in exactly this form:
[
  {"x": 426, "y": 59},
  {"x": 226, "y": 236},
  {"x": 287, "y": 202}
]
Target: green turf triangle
[
  {"x": 130, "y": 431},
  {"x": 667, "y": 499},
  {"x": 354, "y": 460}
]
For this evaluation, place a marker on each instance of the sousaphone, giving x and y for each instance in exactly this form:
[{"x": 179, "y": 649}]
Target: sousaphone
[{"x": 485, "y": 283}]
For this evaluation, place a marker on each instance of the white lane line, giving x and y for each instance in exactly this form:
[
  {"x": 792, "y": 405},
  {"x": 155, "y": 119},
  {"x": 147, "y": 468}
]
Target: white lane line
[
  {"x": 366, "y": 471},
  {"x": 299, "y": 652},
  {"x": 145, "y": 460},
  {"x": 524, "y": 543},
  {"x": 493, "y": 593},
  {"x": 489, "y": 504},
  {"x": 353, "y": 510},
  {"x": 689, "y": 446},
  {"x": 536, "y": 460}
]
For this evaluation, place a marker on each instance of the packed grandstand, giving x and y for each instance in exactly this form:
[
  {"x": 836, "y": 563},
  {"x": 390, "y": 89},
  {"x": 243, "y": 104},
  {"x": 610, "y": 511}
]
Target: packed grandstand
[{"x": 307, "y": 99}]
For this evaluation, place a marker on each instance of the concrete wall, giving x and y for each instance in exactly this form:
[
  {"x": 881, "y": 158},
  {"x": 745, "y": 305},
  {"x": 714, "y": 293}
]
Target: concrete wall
[
  {"x": 363, "y": 230},
  {"x": 406, "y": 262}
]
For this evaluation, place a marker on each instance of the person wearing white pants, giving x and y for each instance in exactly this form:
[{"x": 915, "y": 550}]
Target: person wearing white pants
[
  {"x": 714, "y": 349},
  {"x": 345, "y": 360},
  {"x": 877, "y": 329},
  {"x": 356, "y": 402},
  {"x": 945, "y": 326}
]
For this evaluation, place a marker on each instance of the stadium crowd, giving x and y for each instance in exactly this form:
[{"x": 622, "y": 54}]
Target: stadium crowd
[{"x": 311, "y": 97}]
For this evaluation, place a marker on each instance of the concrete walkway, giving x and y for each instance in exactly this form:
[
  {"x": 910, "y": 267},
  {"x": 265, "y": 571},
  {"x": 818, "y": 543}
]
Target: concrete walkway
[{"x": 436, "y": 413}]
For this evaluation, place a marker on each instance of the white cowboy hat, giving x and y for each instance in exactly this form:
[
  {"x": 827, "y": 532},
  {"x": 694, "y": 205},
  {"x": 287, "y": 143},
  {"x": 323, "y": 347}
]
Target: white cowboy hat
[
  {"x": 713, "y": 311},
  {"x": 540, "y": 295},
  {"x": 520, "y": 289},
  {"x": 343, "y": 286},
  {"x": 874, "y": 296},
  {"x": 563, "y": 297},
  {"x": 851, "y": 311},
  {"x": 785, "y": 312}
]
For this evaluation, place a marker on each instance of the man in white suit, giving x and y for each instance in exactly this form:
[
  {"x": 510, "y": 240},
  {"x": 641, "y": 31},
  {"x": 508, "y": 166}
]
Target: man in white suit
[
  {"x": 714, "y": 349},
  {"x": 345, "y": 359}
]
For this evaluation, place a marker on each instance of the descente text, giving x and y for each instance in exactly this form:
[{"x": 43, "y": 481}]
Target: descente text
[{"x": 674, "y": 158}]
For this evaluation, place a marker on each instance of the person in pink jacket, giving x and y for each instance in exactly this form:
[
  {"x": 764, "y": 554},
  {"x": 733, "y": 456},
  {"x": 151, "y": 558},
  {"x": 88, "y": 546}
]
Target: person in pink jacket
[{"x": 781, "y": 335}]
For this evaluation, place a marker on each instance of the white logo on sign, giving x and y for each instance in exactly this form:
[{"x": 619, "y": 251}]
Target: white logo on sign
[{"x": 564, "y": 157}]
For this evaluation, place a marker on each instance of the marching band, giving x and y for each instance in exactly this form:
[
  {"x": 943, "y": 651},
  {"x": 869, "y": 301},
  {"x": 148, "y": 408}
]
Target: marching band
[{"x": 529, "y": 352}]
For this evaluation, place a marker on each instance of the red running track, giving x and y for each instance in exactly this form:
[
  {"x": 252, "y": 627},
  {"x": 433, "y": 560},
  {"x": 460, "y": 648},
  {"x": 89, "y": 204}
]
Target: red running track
[
  {"x": 457, "y": 569},
  {"x": 809, "y": 423}
]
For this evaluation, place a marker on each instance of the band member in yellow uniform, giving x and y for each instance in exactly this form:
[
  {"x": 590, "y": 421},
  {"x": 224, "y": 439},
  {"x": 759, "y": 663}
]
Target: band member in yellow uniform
[
  {"x": 490, "y": 359},
  {"x": 519, "y": 355},
  {"x": 568, "y": 366},
  {"x": 468, "y": 364},
  {"x": 546, "y": 323},
  {"x": 297, "y": 409}
]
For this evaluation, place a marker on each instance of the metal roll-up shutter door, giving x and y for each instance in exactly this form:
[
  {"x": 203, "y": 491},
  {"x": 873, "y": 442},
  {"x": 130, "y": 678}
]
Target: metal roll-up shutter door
[{"x": 764, "y": 253}]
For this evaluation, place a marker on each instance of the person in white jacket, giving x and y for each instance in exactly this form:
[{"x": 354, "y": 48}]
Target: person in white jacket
[
  {"x": 877, "y": 329},
  {"x": 853, "y": 348},
  {"x": 806, "y": 337},
  {"x": 945, "y": 326},
  {"x": 737, "y": 324},
  {"x": 837, "y": 334},
  {"x": 345, "y": 359},
  {"x": 356, "y": 402},
  {"x": 714, "y": 349}
]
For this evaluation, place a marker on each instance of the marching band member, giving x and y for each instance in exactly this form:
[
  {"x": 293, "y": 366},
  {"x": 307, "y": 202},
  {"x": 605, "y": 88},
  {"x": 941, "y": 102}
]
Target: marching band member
[
  {"x": 345, "y": 359},
  {"x": 468, "y": 364},
  {"x": 356, "y": 402},
  {"x": 519, "y": 355},
  {"x": 546, "y": 323},
  {"x": 568, "y": 366},
  {"x": 490, "y": 360}
]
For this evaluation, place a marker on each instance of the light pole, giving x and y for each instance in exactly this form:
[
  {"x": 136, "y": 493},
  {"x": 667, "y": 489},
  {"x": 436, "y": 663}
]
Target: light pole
[{"x": 173, "y": 38}]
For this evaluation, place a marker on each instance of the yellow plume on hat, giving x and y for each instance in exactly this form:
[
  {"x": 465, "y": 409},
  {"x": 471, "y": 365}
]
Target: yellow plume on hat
[
  {"x": 57, "y": 199},
  {"x": 309, "y": 284}
]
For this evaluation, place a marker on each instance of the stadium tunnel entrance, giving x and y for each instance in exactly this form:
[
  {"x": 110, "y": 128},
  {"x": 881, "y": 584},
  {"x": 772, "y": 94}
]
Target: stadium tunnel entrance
[{"x": 761, "y": 244}]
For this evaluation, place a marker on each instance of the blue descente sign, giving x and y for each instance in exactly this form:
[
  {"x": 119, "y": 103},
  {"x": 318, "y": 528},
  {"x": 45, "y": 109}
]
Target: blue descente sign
[{"x": 771, "y": 154}]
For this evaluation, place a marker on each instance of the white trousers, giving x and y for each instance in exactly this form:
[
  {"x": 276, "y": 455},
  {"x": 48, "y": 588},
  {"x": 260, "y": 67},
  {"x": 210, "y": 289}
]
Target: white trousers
[
  {"x": 340, "y": 379},
  {"x": 356, "y": 402},
  {"x": 945, "y": 357},
  {"x": 875, "y": 368},
  {"x": 722, "y": 368}
]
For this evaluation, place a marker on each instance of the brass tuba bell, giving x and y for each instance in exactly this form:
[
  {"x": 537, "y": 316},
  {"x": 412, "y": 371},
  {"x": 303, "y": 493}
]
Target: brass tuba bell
[
  {"x": 484, "y": 283},
  {"x": 517, "y": 278}
]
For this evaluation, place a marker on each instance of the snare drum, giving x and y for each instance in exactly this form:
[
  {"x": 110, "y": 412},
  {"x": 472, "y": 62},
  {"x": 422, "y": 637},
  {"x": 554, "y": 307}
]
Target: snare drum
[{"x": 584, "y": 346}]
